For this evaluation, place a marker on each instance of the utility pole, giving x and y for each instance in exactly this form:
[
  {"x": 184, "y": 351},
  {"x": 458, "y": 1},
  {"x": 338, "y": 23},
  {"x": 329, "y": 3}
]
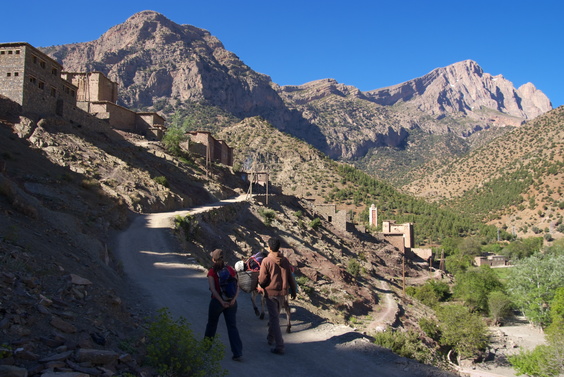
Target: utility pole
[
  {"x": 208, "y": 158},
  {"x": 442, "y": 264},
  {"x": 403, "y": 272},
  {"x": 267, "y": 181}
]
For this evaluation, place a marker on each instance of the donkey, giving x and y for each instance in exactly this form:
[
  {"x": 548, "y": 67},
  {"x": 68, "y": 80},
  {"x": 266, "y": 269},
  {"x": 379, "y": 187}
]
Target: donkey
[{"x": 260, "y": 314}]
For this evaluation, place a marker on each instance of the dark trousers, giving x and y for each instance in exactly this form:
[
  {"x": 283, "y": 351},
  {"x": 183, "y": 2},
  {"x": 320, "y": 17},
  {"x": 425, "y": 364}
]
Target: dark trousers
[
  {"x": 230, "y": 316},
  {"x": 273, "y": 304}
]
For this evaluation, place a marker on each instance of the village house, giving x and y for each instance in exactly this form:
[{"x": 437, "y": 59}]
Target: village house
[
  {"x": 40, "y": 86},
  {"x": 204, "y": 144},
  {"x": 339, "y": 219},
  {"x": 399, "y": 235},
  {"x": 491, "y": 260}
]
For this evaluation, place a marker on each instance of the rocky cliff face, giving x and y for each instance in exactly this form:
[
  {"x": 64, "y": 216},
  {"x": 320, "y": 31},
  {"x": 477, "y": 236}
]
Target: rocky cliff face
[{"x": 461, "y": 88}]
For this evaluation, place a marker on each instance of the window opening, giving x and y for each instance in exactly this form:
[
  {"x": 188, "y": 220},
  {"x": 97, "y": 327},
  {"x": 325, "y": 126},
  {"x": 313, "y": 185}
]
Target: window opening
[
  {"x": 10, "y": 52},
  {"x": 53, "y": 92},
  {"x": 17, "y": 52},
  {"x": 16, "y": 74},
  {"x": 41, "y": 85},
  {"x": 8, "y": 74},
  {"x": 42, "y": 64},
  {"x": 54, "y": 71}
]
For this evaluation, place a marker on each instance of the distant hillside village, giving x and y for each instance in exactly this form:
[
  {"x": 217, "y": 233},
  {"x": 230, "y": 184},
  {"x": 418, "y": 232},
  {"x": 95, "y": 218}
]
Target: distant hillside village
[{"x": 42, "y": 88}]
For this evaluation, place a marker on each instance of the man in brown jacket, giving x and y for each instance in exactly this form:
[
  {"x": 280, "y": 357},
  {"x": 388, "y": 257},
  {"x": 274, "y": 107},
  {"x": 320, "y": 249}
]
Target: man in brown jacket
[{"x": 275, "y": 281}]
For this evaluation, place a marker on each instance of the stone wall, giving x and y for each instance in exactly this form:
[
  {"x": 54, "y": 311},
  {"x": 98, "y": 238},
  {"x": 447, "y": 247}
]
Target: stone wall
[{"x": 117, "y": 116}]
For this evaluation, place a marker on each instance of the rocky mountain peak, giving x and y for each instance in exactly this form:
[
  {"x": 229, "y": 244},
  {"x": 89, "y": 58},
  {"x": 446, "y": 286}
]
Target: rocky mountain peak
[
  {"x": 464, "y": 87},
  {"x": 155, "y": 60},
  {"x": 152, "y": 30}
]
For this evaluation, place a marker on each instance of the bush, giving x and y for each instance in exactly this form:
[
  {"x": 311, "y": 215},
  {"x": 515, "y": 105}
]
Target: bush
[
  {"x": 536, "y": 362},
  {"x": 431, "y": 328},
  {"x": 406, "y": 344},
  {"x": 161, "y": 180},
  {"x": 267, "y": 215},
  {"x": 173, "y": 350},
  {"x": 431, "y": 293},
  {"x": 353, "y": 267},
  {"x": 188, "y": 224},
  {"x": 315, "y": 223}
]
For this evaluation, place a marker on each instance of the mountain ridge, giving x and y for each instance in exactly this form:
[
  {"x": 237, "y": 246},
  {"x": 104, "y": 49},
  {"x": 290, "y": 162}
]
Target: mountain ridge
[{"x": 389, "y": 132}]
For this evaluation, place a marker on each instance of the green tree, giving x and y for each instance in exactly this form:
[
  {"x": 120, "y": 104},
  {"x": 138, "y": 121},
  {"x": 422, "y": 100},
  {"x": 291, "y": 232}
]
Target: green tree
[
  {"x": 470, "y": 246},
  {"x": 462, "y": 331},
  {"x": 536, "y": 362},
  {"x": 522, "y": 248},
  {"x": 499, "y": 306},
  {"x": 474, "y": 286},
  {"x": 172, "y": 140},
  {"x": 557, "y": 247},
  {"x": 546, "y": 360},
  {"x": 532, "y": 284},
  {"x": 456, "y": 264}
]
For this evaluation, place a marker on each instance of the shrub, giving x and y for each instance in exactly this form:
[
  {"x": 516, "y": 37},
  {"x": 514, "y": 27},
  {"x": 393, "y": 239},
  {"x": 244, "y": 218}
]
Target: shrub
[
  {"x": 161, "y": 180},
  {"x": 430, "y": 327},
  {"x": 174, "y": 351},
  {"x": 406, "y": 344},
  {"x": 315, "y": 223},
  {"x": 353, "y": 267},
  {"x": 188, "y": 224},
  {"x": 267, "y": 215}
]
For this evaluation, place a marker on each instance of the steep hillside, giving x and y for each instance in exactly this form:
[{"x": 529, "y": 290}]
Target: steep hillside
[
  {"x": 514, "y": 182},
  {"x": 295, "y": 167}
]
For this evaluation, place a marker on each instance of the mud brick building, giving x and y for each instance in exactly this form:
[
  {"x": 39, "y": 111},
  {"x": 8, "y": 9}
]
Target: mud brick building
[
  {"x": 204, "y": 144},
  {"x": 339, "y": 219},
  {"x": 40, "y": 86},
  {"x": 399, "y": 235},
  {"x": 33, "y": 80}
]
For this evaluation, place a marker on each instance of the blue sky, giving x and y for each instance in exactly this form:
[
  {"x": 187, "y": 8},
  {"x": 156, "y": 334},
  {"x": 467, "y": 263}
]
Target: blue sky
[{"x": 367, "y": 44}]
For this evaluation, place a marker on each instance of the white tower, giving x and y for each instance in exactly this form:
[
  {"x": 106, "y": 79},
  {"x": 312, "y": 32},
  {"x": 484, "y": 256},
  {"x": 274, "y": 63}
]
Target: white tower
[{"x": 373, "y": 216}]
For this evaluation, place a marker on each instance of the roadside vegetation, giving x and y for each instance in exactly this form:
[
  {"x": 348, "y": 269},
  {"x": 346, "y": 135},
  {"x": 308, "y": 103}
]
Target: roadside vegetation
[{"x": 485, "y": 296}]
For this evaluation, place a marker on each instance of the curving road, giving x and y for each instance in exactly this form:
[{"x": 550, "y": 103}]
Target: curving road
[{"x": 147, "y": 250}]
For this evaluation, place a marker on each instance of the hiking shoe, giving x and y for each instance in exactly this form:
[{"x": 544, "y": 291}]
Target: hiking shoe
[
  {"x": 277, "y": 351},
  {"x": 237, "y": 358}
]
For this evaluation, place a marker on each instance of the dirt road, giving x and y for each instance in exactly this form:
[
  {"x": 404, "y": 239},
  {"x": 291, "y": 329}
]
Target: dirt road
[{"x": 314, "y": 348}]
